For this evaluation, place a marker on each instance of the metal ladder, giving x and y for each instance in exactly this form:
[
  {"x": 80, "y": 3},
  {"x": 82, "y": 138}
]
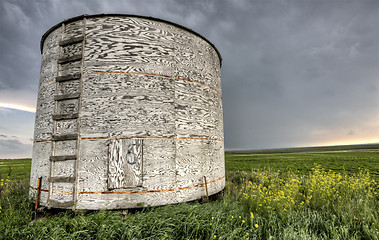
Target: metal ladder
[{"x": 65, "y": 138}]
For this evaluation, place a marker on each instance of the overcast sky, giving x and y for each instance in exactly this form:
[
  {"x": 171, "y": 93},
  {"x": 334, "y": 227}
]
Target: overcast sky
[{"x": 295, "y": 72}]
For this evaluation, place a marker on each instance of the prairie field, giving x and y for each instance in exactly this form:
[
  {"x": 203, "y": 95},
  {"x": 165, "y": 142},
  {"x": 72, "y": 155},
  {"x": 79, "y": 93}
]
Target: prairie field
[{"x": 304, "y": 193}]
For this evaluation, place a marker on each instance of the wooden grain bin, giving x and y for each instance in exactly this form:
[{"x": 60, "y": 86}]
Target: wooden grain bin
[{"x": 129, "y": 114}]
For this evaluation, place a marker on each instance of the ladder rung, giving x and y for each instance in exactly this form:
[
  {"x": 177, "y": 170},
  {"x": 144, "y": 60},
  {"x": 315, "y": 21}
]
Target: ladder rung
[
  {"x": 71, "y": 41},
  {"x": 68, "y": 77},
  {"x": 66, "y": 96},
  {"x": 54, "y": 203},
  {"x": 62, "y": 158},
  {"x": 70, "y": 59},
  {"x": 65, "y": 116},
  {"x": 62, "y": 179},
  {"x": 65, "y": 137}
]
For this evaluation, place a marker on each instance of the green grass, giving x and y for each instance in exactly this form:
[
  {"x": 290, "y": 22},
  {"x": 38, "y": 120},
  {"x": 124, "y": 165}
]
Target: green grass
[
  {"x": 353, "y": 216},
  {"x": 351, "y": 162},
  {"x": 15, "y": 169}
]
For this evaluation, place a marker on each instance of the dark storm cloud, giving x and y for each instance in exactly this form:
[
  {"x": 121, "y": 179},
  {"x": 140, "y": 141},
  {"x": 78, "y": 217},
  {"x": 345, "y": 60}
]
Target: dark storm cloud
[
  {"x": 13, "y": 148},
  {"x": 295, "y": 72},
  {"x": 10, "y": 146}
]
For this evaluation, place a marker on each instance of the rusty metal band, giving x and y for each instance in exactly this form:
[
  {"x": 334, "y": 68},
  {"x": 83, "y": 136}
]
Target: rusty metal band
[
  {"x": 54, "y": 191},
  {"x": 140, "y": 137},
  {"x": 141, "y": 191},
  {"x": 158, "y": 75},
  {"x": 43, "y": 140},
  {"x": 149, "y": 137}
]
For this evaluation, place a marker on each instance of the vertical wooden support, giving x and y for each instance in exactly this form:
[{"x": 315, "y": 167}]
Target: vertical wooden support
[
  {"x": 206, "y": 187},
  {"x": 38, "y": 197}
]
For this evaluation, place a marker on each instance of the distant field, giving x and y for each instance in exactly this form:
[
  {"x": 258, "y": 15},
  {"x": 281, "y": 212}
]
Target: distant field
[
  {"x": 361, "y": 148},
  {"x": 350, "y": 162},
  {"x": 16, "y": 169},
  {"x": 350, "y": 159}
]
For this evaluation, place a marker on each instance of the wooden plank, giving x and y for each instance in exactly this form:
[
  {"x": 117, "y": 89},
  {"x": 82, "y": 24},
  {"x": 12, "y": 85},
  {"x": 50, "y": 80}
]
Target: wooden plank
[
  {"x": 62, "y": 179},
  {"x": 57, "y": 204},
  {"x": 68, "y": 77},
  {"x": 71, "y": 50},
  {"x": 66, "y": 96},
  {"x": 133, "y": 162},
  {"x": 65, "y": 116},
  {"x": 65, "y": 137},
  {"x": 70, "y": 59},
  {"x": 71, "y": 41},
  {"x": 125, "y": 163},
  {"x": 62, "y": 158}
]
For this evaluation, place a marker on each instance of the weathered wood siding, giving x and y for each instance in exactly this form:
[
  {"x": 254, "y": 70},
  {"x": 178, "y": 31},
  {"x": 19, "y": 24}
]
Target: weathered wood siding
[
  {"x": 149, "y": 124},
  {"x": 43, "y": 128}
]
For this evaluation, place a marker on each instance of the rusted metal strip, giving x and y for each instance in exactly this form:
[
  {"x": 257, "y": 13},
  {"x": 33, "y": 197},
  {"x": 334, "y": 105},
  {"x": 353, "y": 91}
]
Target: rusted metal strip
[
  {"x": 152, "y": 137},
  {"x": 143, "y": 191},
  {"x": 206, "y": 187},
  {"x": 158, "y": 75},
  {"x": 62, "y": 179},
  {"x": 42, "y": 190},
  {"x": 140, "y": 137},
  {"x": 54, "y": 191},
  {"x": 42, "y": 140},
  {"x": 153, "y": 191},
  {"x": 38, "y": 197}
]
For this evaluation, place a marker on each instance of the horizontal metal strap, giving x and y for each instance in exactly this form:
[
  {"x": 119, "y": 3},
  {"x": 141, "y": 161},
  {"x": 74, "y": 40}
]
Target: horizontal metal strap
[
  {"x": 66, "y": 96},
  {"x": 71, "y": 41},
  {"x": 65, "y": 137},
  {"x": 65, "y": 116},
  {"x": 138, "y": 191},
  {"x": 68, "y": 77},
  {"x": 62, "y": 179},
  {"x": 70, "y": 59},
  {"x": 62, "y": 158}
]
